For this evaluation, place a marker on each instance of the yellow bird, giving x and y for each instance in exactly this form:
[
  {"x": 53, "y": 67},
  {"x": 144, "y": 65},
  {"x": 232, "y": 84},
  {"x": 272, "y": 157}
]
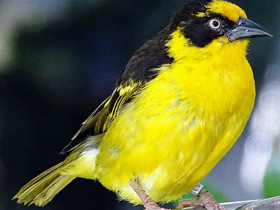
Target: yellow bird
[{"x": 180, "y": 104}]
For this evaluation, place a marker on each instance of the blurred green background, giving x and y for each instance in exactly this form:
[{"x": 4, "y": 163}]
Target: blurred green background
[{"x": 60, "y": 58}]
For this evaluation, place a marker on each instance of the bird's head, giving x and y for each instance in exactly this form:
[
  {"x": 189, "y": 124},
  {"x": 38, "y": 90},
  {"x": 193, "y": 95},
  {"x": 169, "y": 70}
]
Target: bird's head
[{"x": 211, "y": 25}]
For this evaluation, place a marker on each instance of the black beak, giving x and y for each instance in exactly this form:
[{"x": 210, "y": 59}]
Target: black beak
[{"x": 245, "y": 28}]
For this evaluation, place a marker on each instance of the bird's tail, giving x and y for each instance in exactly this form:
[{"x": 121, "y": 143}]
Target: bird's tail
[{"x": 42, "y": 189}]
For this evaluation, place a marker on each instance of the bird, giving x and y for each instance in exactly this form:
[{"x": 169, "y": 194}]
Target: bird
[{"x": 179, "y": 105}]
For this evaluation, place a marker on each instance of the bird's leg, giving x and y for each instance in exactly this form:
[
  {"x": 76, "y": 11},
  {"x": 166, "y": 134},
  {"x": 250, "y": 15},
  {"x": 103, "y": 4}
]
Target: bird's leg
[
  {"x": 205, "y": 199},
  {"x": 148, "y": 203}
]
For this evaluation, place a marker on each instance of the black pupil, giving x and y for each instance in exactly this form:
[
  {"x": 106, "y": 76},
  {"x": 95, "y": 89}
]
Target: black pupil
[{"x": 216, "y": 23}]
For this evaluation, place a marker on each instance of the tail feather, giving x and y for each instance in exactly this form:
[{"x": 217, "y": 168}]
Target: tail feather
[
  {"x": 44, "y": 187},
  {"x": 43, "y": 176},
  {"x": 48, "y": 193}
]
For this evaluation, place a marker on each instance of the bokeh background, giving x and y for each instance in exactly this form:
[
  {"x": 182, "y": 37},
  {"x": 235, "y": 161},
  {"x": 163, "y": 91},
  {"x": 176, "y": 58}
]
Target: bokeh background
[{"x": 60, "y": 58}]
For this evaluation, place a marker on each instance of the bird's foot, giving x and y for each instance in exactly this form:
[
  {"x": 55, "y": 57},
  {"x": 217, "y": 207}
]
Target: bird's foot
[
  {"x": 205, "y": 199},
  {"x": 148, "y": 202},
  {"x": 151, "y": 205}
]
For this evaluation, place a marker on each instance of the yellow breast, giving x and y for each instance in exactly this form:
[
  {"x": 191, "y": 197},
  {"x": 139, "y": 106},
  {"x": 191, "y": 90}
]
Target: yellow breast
[{"x": 182, "y": 124}]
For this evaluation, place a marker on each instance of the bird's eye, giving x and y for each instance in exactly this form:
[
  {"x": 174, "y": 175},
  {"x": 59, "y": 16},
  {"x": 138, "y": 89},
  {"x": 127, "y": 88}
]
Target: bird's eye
[{"x": 215, "y": 23}]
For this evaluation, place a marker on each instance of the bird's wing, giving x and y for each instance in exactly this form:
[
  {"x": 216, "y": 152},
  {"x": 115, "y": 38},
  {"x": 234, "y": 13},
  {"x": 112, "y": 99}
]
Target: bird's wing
[
  {"x": 102, "y": 117},
  {"x": 139, "y": 70}
]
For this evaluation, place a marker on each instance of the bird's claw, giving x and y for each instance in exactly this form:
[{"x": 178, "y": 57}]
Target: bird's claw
[
  {"x": 154, "y": 206},
  {"x": 205, "y": 199}
]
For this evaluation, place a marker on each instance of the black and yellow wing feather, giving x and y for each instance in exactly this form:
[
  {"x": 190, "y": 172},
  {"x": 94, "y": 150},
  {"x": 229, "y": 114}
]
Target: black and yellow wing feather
[{"x": 133, "y": 78}]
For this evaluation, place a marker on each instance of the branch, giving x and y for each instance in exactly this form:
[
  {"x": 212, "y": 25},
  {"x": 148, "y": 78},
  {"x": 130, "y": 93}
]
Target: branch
[{"x": 263, "y": 204}]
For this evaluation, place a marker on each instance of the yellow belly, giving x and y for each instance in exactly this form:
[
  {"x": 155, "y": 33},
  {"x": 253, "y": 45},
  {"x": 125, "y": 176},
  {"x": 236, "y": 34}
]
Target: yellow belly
[{"x": 174, "y": 133}]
